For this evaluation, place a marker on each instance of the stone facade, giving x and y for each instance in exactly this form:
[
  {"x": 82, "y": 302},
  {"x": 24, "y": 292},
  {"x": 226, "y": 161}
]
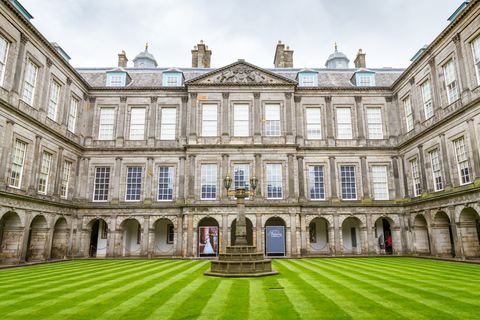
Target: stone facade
[{"x": 55, "y": 209}]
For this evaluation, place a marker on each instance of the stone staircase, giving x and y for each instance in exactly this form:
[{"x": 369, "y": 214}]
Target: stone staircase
[{"x": 241, "y": 261}]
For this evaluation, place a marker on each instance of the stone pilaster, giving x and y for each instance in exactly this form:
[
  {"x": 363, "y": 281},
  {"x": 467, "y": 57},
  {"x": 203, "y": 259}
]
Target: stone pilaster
[
  {"x": 257, "y": 131},
  {"x": 32, "y": 189},
  {"x": 360, "y": 118},
  {"x": 191, "y": 179},
  {"x": 153, "y": 120},
  {"x": 192, "y": 136},
  {"x": 421, "y": 168},
  {"x": 299, "y": 117},
  {"x": 121, "y": 116},
  {"x": 293, "y": 229},
  {"x": 303, "y": 235},
  {"x": 291, "y": 177},
  {"x": 258, "y": 216},
  {"x": 336, "y": 226},
  {"x": 20, "y": 63},
  {"x": 301, "y": 180},
  {"x": 224, "y": 170},
  {"x": 181, "y": 180},
  {"x": 25, "y": 235},
  {"x": 90, "y": 117},
  {"x": 7, "y": 146},
  {"x": 145, "y": 238},
  {"x": 258, "y": 172},
  {"x": 183, "y": 121},
  {"x": 333, "y": 178},
  {"x": 116, "y": 181},
  {"x": 365, "y": 182},
  {"x": 447, "y": 180},
  {"x": 403, "y": 232},
  {"x": 437, "y": 102},
  {"x": 65, "y": 111},
  {"x": 463, "y": 85},
  {"x": 474, "y": 147},
  {"x": 179, "y": 234},
  {"x": 149, "y": 180},
  {"x": 224, "y": 244},
  {"x": 111, "y": 234},
  {"x": 370, "y": 232},
  {"x": 329, "y": 124},
  {"x": 57, "y": 174},
  {"x": 392, "y": 120},
  {"x": 396, "y": 177},
  {"x": 290, "y": 118},
  {"x": 190, "y": 235},
  {"x": 44, "y": 98},
  {"x": 225, "y": 123}
]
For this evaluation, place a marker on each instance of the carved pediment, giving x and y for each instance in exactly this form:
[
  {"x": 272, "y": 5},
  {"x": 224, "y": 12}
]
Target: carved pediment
[{"x": 240, "y": 73}]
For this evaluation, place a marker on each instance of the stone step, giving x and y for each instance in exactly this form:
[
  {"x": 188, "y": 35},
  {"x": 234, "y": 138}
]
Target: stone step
[
  {"x": 241, "y": 267},
  {"x": 241, "y": 256},
  {"x": 241, "y": 249}
]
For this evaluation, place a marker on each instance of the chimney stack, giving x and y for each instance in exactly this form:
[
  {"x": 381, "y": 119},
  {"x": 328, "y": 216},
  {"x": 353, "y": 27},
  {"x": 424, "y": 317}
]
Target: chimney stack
[
  {"x": 360, "y": 60},
  {"x": 201, "y": 56},
  {"x": 283, "y": 58},
  {"x": 122, "y": 59}
]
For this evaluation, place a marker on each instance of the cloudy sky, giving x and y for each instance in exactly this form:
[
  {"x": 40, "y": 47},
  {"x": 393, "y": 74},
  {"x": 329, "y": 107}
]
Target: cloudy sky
[{"x": 93, "y": 32}]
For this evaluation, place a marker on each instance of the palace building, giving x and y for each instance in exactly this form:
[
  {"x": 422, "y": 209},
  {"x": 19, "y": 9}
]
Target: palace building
[{"x": 129, "y": 161}]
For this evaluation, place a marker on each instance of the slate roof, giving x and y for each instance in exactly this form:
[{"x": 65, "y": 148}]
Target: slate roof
[{"x": 153, "y": 77}]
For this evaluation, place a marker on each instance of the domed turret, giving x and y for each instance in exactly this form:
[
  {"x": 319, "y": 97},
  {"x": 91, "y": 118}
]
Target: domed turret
[
  {"x": 337, "y": 60},
  {"x": 145, "y": 59}
]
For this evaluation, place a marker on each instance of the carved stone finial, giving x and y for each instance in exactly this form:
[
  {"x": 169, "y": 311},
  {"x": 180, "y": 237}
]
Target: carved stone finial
[
  {"x": 328, "y": 99},
  {"x": 412, "y": 80},
  {"x": 456, "y": 38},
  {"x": 92, "y": 99},
  {"x": 153, "y": 99},
  {"x": 358, "y": 99},
  {"x": 256, "y": 95},
  {"x": 69, "y": 81},
  {"x": 297, "y": 98},
  {"x": 123, "y": 98},
  {"x": 225, "y": 95},
  {"x": 49, "y": 62},
  {"x": 288, "y": 95},
  {"x": 23, "y": 38},
  {"x": 184, "y": 99}
]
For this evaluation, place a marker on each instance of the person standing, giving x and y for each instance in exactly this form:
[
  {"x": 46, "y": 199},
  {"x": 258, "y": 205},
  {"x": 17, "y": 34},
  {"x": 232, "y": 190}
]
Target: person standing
[
  {"x": 389, "y": 245},
  {"x": 381, "y": 244}
]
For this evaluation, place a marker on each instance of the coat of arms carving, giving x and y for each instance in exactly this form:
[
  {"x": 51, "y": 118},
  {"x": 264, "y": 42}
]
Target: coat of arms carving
[{"x": 240, "y": 74}]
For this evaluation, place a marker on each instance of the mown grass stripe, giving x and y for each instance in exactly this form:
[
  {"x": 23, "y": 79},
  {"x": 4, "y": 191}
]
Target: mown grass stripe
[
  {"x": 238, "y": 301},
  {"x": 389, "y": 301},
  {"x": 341, "y": 295},
  {"x": 430, "y": 286},
  {"x": 299, "y": 302},
  {"x": 127, "y": 305},
  {"x": 217, "y": 302},
  {"x": 65, "y": 294},
  {"x": 430, "y": 299},
  {"x": 169, "y": 309},
  {"x": 420, "y": 275},
  {"x": 258, "y": 301},
  {"x": 111, "y": 294},
  {"x": 278, "y": 303},
  {"x": 326, "y": 307}
]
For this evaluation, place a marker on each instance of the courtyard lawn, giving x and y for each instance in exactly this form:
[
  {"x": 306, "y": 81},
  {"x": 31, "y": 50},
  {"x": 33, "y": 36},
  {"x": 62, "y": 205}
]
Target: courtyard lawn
[{"x": 359, "y": 288}]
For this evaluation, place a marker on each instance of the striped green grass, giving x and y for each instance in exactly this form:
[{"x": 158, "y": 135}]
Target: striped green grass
[{"x": 350, "y": 288}]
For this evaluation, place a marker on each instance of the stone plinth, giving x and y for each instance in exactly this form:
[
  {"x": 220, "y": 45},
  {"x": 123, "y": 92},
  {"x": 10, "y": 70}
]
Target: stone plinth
[{"x": 241, "y": 261}]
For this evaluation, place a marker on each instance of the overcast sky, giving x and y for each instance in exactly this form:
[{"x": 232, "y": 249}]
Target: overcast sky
[{"x": 93, "y": 32}]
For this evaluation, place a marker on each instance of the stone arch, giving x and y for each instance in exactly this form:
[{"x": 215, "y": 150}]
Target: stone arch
[
  {"x": 327, "y": 217},
  {"x": 209, "y": 237},
  {"x": 442, "y": 233},
  {"x": 37, "y": 239},
  {"x": 319, "y": 235},
  {"x": 60, "y": 239},
  {"x": 197, "y": 219},
  {"x": 11, "y": 230},
  {"x": 249, "y": 232},
  {"x": 131, "y": 237},
  {"x": 284, "y": 217},
  {"x": 469, "y": 225},
  {"x": 96, "y": 237},
  {"x": 352, "y": 235},
  {"x": 421, "y": 240},
  {"x": 165, "y": 239}
]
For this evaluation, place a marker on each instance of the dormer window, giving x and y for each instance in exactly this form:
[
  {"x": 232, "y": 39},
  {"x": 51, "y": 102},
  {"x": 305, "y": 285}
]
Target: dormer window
[
  {"x": 115, "y": 81},
  {"x": 118, "y": 78},
  {"x": 307, "y": 78},
  {"x": 172, "y": 81},
  {"x": 308, "y": 81},
  {"x": 365, "y": 81},
  {"x": 172, "y": 78},
  {"x": 363, "y": 78}
]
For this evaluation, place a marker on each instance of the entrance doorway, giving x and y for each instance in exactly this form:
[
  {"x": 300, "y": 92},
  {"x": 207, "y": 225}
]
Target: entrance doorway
[{"x": 98, "y": 239}]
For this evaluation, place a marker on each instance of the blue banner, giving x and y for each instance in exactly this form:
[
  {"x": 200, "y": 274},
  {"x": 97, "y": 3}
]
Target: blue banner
[{"x": 275, "y": 240}]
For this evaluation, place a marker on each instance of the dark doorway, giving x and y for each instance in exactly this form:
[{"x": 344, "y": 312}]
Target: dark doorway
[
  {"x": 451, "y": 240},
  {"x": 354, "y": 237},
  {"x": 387, "y": 233},
  {"x": 94, "y": 239},
  {"x": 477, "y": 222},
  {"x": 29, "y": 249},
  {"x": 249, "y": 232}
]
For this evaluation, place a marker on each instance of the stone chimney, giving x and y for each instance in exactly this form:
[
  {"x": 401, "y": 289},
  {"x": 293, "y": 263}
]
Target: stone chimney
[
  {"x": 283, "y": 58},
  {"x": 122, "y": 59},
  {"x": 201, "y": 56},
  {"x": 360, "y": 60}
]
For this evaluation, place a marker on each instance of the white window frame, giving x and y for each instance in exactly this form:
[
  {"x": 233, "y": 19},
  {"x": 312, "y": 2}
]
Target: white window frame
[
  {"x": 137, "y": 123},
  {"x": 72, "y": 114},
  {"x": 476, "y": 57},
  {"x": 436, "y": 170},
  {"x": 44, "y": 173},
  {"x": 107, "y": 123},
  {"x": 380, "y": 182},
  {"x": 4, "y": 49},
  {"x": 116, "y": 80},
  {"x": 165, "y": 182},
  {"x": 31, "y": 73},
  {"x": 237, "y": 181},
  {"x": 208, "y": 178},
  {"x": 169, "y": 122},
  {"x": 407, "y": 105},
  {"x": 53, "y": 100},
  {"x": 209, "y": 120},
  {"x": 374, "y": 123},
  {"x": 427, "y": 99},
  {"x": 348, "y": 182},
  {"x": 314, "y": 123},
  {"x": 450, "y": 82},
  {"x": 240, "y": 120},
  {"x": 134, "y": 181},
  {"x": 308, "y": 81},
  {"x": 171, "y": 81},
  {"x": 365, "y": 81},
  {"x": 274, "y": 180},
  {"x": 464, "y": 173},
  {"x": 417, "y": 187},
  {"x": 344, "y": 123},
  {"x": 316, "y": 181},
  {"x": 272, "y": 120},
  {"x": 18, "y": 162},
  {"x": 104, "y": 185},
  {"x": 65, "y": 179}
]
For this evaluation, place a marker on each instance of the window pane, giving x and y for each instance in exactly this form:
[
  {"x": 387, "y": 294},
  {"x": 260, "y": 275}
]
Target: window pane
[
  {"x": 274, "y": 181},
  {"x": 240, "y": 120},
  {"x": 165, "y": 183},
  {"x": 408, "y": 114},
  {"x": 272, "y": 120},
  {"x": 374, "y": 120},
  {"x": 314, "y": 127},
  {"x": 73, "y": 115},
  {"x": 380, "y": 183},
  {"x": 4, "y": 45},
  {"x": 344, "y": 122},
  {"x": 349, "y": 188},
  {"x": 44, "y": 171},
  {"x": 169, "y": 119},
  {"x": 17, "y": 163},
  {"x": 134, "y": 183},
  {"x": 462, "y": 160},
  {"x": 317, "y": 187},
  {"x": 417, "y": 190},
  {"x": 209, "y": 120},
  {"x": 137, "y": 126},
  {"x": 102, "y": 181},
  {"x": 53, "y": 101},
  {"x": 107, "y": 120},
  {"x": 209, "y": 181},
  {"x": 65, "y": 179},
  {"x": 437, "y": 174},
  {"x": 29, "y": 84}
]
